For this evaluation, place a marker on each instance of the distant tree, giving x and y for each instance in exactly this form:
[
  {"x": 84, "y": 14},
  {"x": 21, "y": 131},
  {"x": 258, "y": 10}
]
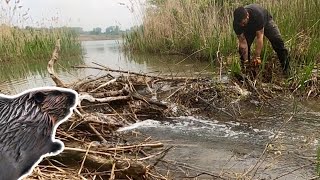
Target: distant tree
[
  {"x": 113, "y": 30},
  {"x": 96, "y": 31},
  {"x": 77, "y": 29}
]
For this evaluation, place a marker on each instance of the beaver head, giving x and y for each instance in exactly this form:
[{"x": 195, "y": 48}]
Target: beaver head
[
  {"x": 56, "y": 104},
  {"x": 28, "y": 123}
]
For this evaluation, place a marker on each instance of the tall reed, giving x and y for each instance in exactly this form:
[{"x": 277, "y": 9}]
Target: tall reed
[
  {"x": 202, "y": 27},
  {"x": 183, "y": 27},
  {"x": 16, "y": 43}
]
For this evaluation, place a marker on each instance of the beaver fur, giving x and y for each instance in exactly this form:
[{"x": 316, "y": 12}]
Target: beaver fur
[{"x": 28, "y": 124}]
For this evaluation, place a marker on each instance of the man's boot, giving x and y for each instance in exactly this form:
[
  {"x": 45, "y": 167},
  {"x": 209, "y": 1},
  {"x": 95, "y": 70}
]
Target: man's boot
[{"x": 285, "y": 62}]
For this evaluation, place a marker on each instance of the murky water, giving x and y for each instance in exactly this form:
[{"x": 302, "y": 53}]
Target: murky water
[{"x": 207, "y": 143}]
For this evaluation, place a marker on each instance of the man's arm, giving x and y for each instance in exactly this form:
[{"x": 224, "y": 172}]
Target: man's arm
[
  {"x": 259, "y": 43},
  {"x": 243, "y": 47}
]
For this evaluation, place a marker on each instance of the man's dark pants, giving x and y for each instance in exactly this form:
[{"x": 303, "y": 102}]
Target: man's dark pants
[{"x": 271, "y": 31}]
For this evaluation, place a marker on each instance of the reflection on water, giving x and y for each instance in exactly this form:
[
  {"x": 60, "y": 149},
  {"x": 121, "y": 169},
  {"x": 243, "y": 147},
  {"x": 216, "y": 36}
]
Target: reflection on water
[
  {"x": 18, "y": 76},
  {"x": 109, "y": 54}
]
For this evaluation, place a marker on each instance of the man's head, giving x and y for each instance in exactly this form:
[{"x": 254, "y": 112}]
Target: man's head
[{"x": 241, "y": 16}]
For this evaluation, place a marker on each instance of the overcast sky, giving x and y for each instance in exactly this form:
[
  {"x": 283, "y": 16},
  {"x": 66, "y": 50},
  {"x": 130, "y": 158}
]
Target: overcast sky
[{"x": 79, "y": 13}]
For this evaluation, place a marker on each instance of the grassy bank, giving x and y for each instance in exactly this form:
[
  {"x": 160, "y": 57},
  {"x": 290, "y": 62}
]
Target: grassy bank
[
  {"x": 16, "y": 43},
  {"x": 202, "y": 27}
]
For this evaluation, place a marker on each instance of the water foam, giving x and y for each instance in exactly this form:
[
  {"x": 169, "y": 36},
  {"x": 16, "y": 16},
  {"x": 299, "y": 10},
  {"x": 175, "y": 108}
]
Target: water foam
[{"x": 202, "y": 127}]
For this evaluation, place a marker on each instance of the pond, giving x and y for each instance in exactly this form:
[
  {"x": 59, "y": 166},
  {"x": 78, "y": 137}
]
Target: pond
[{"x": 210, "y": 144}]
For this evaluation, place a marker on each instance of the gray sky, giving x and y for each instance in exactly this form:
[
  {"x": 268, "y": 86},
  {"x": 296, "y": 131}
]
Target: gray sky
[{"x": 80, "y": 13}]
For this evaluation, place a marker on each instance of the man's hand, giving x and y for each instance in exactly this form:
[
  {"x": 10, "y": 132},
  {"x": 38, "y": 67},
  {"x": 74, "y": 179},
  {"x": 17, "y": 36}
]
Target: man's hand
[
  {"x": 243, "y": 47},
  {"x": 256, "y": 61}
]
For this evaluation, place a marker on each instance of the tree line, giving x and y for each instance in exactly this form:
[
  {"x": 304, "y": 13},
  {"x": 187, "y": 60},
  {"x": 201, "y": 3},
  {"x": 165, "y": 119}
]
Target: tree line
[{"x": 110, "y": 30}]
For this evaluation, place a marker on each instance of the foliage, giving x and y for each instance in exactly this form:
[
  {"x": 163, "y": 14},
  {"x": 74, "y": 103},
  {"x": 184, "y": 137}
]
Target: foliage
[{"x": 96, "y": 31}]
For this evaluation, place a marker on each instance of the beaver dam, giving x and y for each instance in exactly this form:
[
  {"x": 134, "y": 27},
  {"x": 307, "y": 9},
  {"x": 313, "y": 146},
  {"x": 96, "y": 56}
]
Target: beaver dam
[{"x": 96, "y": 149}]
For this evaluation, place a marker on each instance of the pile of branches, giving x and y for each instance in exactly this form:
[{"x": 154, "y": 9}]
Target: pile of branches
[{"x": 93, "y": 147}]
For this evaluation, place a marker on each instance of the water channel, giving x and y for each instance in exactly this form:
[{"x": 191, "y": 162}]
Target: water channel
[{"x": 216, "y": 145}]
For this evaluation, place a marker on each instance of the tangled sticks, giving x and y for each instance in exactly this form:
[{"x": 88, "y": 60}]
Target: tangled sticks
[{"x": 28, "y": 123}]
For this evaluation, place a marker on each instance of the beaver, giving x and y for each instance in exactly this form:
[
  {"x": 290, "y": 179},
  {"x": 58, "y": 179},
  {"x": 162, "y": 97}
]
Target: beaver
[{"x": 28, "y": 124}]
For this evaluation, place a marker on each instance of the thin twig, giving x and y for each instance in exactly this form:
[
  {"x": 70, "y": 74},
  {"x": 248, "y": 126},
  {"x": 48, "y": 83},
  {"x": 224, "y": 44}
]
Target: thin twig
[
  {"x": 157, "y": 154},
  {"x": 84, "y": 159},
  {"x": 135, "y": 73},
  {"x": 97, "y": 133},
  {"x": 285, "y": 174},
  {"x": 104, "y": 85},
  {"x": 112, "y": 175}
]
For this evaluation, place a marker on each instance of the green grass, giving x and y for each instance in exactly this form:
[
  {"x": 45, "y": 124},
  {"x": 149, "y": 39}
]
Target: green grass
[{"x": 199, "y": 27}]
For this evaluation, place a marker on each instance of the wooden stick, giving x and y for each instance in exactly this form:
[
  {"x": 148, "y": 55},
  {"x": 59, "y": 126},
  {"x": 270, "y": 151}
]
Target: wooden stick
[
  {"x": 84, "y": 151},
  {"x": 97, "y": 133},
  {"x": 113, "y": 176},
  {"x": 88, "y": 97},
  {"x": 155, "y": 145},
  {"x": 139, "y": 97},
  {"x": 218, "y": 55},
  {"x": 137, "y": 74},
  {"x": 84, "y": 159},
  {"x": 104, "y": 85},
  {"x": 154, "y": 155},
  {"x": 54, "y": 58}
]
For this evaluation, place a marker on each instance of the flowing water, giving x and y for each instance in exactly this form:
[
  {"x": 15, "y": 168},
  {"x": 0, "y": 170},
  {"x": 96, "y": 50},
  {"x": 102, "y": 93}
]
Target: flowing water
[{"x": 215, "y": 145}]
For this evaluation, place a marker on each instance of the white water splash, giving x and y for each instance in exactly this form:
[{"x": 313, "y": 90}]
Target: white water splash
[{"x": 188, "y": 124}]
